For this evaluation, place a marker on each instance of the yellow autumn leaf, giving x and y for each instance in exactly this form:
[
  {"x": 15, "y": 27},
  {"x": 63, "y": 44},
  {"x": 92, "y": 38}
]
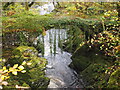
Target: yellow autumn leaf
[
  {"x": 24, "y": 62},
  {"x": 4, "y": 68},
  {"x": 2, "y": 77},
  {"x": 23, "y": 71},
  {"x": 15, "y": 66},
  {"x": 5, "y": 71},
  {"x": 20, "y": 67},
  {"x": 0, "y": 59},
  {"x": 1, "y": 70},
  {"x": 11, "y": 69},
  {"x": 29, "y": 63},
  {"x": 44, "y": 33},
  {"x": 14, "y": 72}
]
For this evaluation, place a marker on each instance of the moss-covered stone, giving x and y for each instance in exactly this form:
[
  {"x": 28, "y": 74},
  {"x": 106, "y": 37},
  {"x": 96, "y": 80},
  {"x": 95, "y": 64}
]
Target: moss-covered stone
[
  {"x": 91, "y": 65},
  {"x": 82, "y": 58},
  {"x": 35, "y": 72}
]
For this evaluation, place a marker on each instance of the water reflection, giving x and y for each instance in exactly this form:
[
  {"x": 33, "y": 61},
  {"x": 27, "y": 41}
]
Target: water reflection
[{"x": 58, "y": 60}]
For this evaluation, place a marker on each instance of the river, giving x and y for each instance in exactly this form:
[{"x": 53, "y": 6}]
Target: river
[{"x": 58, "y": 70}]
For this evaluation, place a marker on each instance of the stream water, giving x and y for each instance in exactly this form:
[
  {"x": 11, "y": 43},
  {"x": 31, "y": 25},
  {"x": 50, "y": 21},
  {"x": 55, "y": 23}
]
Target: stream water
[
  {"x": 60, "y": 74},
  {"x": 46, "y": 8}
]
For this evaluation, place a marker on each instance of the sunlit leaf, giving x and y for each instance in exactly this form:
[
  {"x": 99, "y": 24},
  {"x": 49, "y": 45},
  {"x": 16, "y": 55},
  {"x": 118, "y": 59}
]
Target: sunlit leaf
[
  {"x": 4, "y": 68},
  {"x": 11, "y": 69},
  {"x": 15, "y": 66},
  {"x": 20, "y": 67},
  {"x": 2, "y": 77},
  {"x": 29, "y": 63},
  {"x": 14, "y": 72},
  {"x": 1, "y": 70},
  {"x": 44, "y": 33},
  {"x": 24, "y": 62},
  {"x": 23, "y": 71},
  {"x": 5, "y": 71},
  {"x": 0, "y": 60}
]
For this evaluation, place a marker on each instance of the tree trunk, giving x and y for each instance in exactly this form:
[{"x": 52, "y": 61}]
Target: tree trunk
[{"x": 26, "y": 6}]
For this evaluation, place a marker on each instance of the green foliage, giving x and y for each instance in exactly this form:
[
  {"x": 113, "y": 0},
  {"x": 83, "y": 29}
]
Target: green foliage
[
  {"x": 95, "y": 69},
  {"x": 5, "y": 71},
  {"x": 107, "y": 41},
  {"x": 114, "y": 79},
  {"x": 98, "y": 63},
  {"x": 25, "y": 21},
  {"x": 28, "y": 56},
  {"x": 86, "y": 9}
]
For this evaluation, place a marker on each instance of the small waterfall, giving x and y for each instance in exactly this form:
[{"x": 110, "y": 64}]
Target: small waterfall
[
  {"x": 58, "y": 70},
  {"x": 46, "y": 8}
]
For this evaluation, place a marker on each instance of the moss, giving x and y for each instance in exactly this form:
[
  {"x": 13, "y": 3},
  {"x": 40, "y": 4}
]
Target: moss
[
  {"x": 91, "y": 65},
  {"x": 80, "y": 63},
  {"x": 114, "y": 79},
  {"x": 23, "y": 48},
  {"x": 94, "y": 75},
  {"x": 82, "y": 58},
  {"x": 25, "y": 85},
  {"x": 35, "y": 75}
]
